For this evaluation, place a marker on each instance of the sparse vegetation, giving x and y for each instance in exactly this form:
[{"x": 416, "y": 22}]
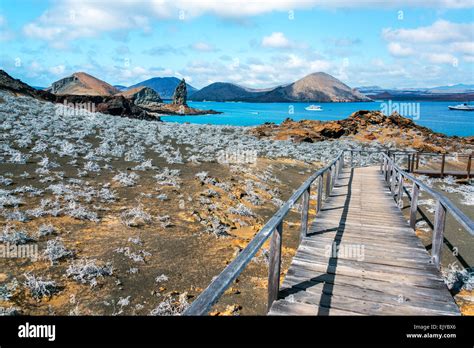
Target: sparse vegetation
[
  {"x": 39, "y": 287},
  {"x": 87, "y": 271}
]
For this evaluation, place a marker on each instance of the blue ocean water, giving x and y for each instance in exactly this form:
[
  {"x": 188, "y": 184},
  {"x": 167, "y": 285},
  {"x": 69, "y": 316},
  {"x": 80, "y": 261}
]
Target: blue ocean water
[{"x": 434, "y": 115}]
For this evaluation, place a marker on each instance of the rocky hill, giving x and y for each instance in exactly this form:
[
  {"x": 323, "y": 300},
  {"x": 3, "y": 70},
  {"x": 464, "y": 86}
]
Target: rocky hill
[
  {"x": 317, "y": 87},
  {"x": 164, "y": 86},
  {"x": 81, "y": 83},
  {"x": 16, "y": 86}
]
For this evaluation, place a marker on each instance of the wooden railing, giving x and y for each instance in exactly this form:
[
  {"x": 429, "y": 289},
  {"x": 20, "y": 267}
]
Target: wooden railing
[
  {"x": 273, "y": 228},
  {"x": 394, "y": 176},
  {"x": 413, "y": 162}
]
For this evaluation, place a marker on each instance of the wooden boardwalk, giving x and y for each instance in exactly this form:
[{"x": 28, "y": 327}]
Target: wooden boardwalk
[{"x": 381, "y": 268}]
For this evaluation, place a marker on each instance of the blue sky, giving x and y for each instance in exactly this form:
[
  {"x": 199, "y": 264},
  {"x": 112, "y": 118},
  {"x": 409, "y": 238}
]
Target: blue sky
[{"x": 253, "y": 43}]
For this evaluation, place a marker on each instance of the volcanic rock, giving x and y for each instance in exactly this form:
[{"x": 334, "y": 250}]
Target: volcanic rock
[
  {"x": 364, "y": 125},
  {"x": 143, "y": 97},
  {"x": 180, "y": 94}
]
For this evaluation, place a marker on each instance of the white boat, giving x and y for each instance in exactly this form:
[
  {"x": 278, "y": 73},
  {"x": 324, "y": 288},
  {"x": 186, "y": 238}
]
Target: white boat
[
  {"x": 313, "y": 108},
  {"x": 462, "y": 107}
]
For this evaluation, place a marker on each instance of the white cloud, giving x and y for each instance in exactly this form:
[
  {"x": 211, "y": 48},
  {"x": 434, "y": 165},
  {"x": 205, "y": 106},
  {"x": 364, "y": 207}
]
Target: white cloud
[
  {"x": 398, "y": 50},
  {"x": 440, "y": 58},
  {"x": 256, "y": 73},
  {"x": 440, "y": 31},
  {"x": 70, "y": 19},
  {"x": 442, "y": 42},
  {"x": 276, "y": 40},
  {"x": 57, "y": 70},
  {"x": 203, "y": 47}
]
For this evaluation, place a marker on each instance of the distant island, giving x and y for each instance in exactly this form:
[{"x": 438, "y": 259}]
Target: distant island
[
  {"x": 316, "y": 87},
  {"x": 458, "y": 92}
]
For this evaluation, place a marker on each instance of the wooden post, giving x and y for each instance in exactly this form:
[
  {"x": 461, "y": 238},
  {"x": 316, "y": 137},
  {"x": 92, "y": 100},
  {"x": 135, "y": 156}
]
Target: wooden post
[
  {"x": 304, "y": 213},
  {"x": 274, "y": 265},
  {"x": 438, "y": 232},
  {"x": 412, "y": 163},
  {"x": 400, "y": 191},
  {"x": 392, "y": 180},
  {"x": 352, "y": 159},
  {"x": 320, "y": 193},
  {"x": 409, "y": 163},
  {"x": 334, "y": 176},
  {"x": 469, "y": 160},
  {"x": 414, "y": 205},
  {"x": 328, "y": 183},
  {"x": 443, "y": 160},
  {"x": 417, "y": 160}
]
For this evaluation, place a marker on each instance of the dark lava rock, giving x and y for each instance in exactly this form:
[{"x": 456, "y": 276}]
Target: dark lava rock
[{"x": 180, "y": 94}]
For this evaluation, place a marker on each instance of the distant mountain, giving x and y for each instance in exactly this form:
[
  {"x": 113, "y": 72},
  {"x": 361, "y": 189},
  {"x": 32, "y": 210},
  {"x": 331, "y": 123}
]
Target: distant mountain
[
  {"x": 224, "y": 91},
  {"x": 369, "y": 89},
  {"x": 454, "y": 92},
  {"x": 422, "y": 96},
  {"x": 81, "y": 83},
  {"x": 458, "y": 88},
  {"x": 164, "y": 86},
  {"x": 316, "y": 87},
  {"x": 121, "y": 87}
]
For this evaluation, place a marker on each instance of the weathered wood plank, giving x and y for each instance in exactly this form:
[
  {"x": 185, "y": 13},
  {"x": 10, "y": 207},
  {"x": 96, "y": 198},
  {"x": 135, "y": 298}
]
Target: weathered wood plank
[
  {"x": 274, "y": 263},
  {"x": 304, "y": 212},
  {"x": 391, "y": 305},
  {"x": 414, "y": 205},
  {"x": 283, "y": 307},
  {"x": 438, "y": 232},
  {"x": 300, "y": 280}
]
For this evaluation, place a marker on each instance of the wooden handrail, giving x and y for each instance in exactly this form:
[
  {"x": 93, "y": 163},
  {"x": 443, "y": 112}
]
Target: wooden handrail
[
  {"x": 443, "y": 205},
  {"x": 274, "y": 227}
]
